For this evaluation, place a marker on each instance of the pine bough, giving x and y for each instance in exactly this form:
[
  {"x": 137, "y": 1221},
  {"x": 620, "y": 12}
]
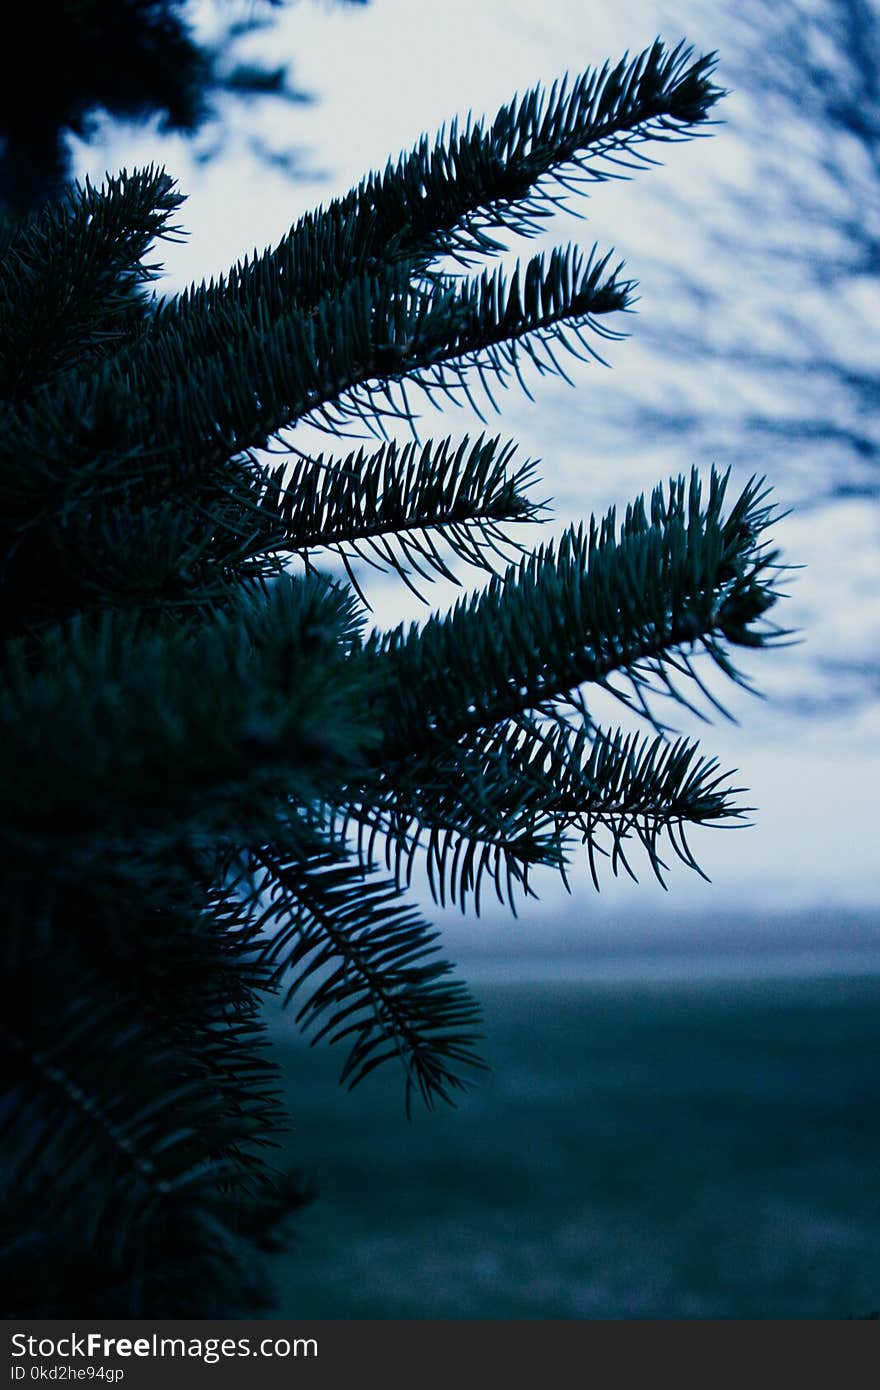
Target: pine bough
[{"x": 216, "y": 782}]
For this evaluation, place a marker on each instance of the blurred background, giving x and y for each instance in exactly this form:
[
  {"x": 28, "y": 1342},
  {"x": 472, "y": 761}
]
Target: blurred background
[{"x": 681, "y": 1118}]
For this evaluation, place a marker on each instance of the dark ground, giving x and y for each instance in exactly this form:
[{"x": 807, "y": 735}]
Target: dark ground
[{"x": 665, "y": 1150}]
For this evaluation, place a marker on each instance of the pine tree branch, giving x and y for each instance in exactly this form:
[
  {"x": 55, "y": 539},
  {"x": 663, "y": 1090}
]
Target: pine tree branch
[
  {"x": 656, "y": 93},
  {"x": 202, "y": 759},
  {"x": 450, "y": 198},
  {"x": 92, "y": 1096},
  {"x": 508, "y": 798},
  {"x": 551, "y": 301},
  {"x": 120, "y": 745},
  {"x": 71, "y": 277},
  {"x": 250, "y": 380},
  {"x": 436, "y": 341},
  {"x": 595, "y": 607},
  {"x": 179, "y": 407},
  {"x": 128, "y": 1162},
  {"x": 389, "y": 508},
  {"x": 368, "y": 962}
]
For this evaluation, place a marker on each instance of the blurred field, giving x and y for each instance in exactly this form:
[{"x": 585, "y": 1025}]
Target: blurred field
[{"x": 664, "y": 1150}]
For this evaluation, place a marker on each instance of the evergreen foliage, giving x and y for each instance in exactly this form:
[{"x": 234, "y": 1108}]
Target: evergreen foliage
[{"x": 215, "y": 778}]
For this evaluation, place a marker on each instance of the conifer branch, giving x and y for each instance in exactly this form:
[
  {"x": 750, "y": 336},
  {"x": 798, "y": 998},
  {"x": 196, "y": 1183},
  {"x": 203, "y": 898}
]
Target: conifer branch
[
  {"x": 385, "y": 507},
  {"x": 95, "y": 1096},
  {"x": 378, "y": 986},
  {"x": 96, "y": 1103},
  {"x": 72, "y": 274},
  {"x": 594, "y": 607},
  {"x": 343, "y": 362},
  {"x": 505, "y": 799},
  {"x": 179, "y": 407},
  {"x": 452, "y": 196},
  {"x": 202, "y": 759},
  {"x": 168, "y": 738}
]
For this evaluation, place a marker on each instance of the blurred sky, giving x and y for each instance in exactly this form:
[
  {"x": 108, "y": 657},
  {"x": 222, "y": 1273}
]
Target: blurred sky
[{"x": 755, "y": 346}]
